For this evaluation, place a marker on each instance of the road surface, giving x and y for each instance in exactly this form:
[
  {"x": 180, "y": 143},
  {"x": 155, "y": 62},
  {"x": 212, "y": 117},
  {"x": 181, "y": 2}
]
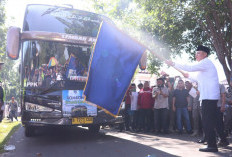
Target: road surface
[{"x": 78, "y": 142}]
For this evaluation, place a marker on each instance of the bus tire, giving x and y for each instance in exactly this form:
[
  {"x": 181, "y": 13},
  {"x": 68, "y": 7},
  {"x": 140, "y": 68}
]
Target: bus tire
[
  {"x": 94, "y": 129},
  {"x": 29, "y": 131}
]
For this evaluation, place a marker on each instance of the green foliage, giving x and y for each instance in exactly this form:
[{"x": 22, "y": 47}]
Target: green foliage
[
  {"x": 178, "y": 25},
  {"x": 154, "y": 64},
  {"x": 131, "y": 18},
  {"x": 2, "y": 28},
  {"x": 9, "y": 73},
  {"x": 164, "y": 22},
  {"x": 11, "y": 79}
]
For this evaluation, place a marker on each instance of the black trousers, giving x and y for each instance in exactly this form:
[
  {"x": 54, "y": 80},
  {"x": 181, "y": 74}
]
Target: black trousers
[
  {"x": 135, "y": 120},
  {"x": 1, "y": 115},
  {"x": 161, "y": 119},
  {"x": 127, "y": 116},
  {"x": 209, "y": 117},
  {"x": 220, "y": 125},
  {"x": 145, "y": 119}
]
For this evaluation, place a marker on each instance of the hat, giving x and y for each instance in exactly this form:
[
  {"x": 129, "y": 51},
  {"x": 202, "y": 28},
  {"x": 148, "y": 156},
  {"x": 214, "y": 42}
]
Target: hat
[
  {"x": 203, "y": 48},
  {"x": 162, "y": 79}
]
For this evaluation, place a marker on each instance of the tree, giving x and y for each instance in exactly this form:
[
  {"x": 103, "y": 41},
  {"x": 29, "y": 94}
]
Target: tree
[
  {"x": 196, "y": 22},
  {"x": 9, "y": 73},
  {"x": 2, "y": 28},
  {"x": 130, "y": 18},
  {"x": 216, "y": 24},
  {"x": 181, "y": 25}
]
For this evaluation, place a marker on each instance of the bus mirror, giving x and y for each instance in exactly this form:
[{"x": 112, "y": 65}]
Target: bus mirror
[
  {"x": 143, "y": 61},
  {"x": 13, "y": 42}
]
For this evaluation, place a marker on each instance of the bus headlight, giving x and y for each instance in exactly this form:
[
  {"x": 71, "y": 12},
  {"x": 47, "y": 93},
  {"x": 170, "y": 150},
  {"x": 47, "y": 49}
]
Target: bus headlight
[{"x": 37, "y": 108}]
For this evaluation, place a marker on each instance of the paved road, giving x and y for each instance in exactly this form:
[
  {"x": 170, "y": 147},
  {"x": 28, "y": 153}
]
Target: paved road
[{"x": 77, "y": 142}]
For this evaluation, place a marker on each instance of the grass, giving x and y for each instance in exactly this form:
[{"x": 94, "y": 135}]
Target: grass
[{"x": 7, "y": 128}]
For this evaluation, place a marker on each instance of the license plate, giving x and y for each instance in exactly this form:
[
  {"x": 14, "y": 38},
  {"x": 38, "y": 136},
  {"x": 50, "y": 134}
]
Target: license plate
[{"x": 82, "y": 120}]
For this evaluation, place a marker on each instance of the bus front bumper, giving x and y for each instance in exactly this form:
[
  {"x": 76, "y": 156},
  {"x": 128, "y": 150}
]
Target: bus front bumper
[{"x": 55, "y": 119}]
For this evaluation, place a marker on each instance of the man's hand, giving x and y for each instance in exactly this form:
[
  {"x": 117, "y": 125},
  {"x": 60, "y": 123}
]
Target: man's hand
[
  {"x": 186, "y": 75},
  {"x": 230, "y": 102},
  {"x": 189, "y": 108},
  {"x": 174, "y": 108},
  {"x": 169, "y": 62},
  {"x": 223, "y": 109},
  {"x": 157, "y": 93}
]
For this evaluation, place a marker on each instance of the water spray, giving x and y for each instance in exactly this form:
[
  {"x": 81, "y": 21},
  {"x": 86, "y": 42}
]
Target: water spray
[{"x": 150, "y": 43}]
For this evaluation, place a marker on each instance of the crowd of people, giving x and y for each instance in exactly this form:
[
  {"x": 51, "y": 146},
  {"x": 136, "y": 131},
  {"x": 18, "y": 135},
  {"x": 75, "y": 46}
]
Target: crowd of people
[
  {"x": 207, "y": 102},
  {"x": 172, "y": 107},
  {"x": 44, "y": 76},
  {"x": 41, "y": 72}
]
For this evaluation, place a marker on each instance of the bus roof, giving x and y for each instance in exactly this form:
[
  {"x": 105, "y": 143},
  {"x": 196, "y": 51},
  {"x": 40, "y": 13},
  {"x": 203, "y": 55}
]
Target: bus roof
[{"x": 47, "y": 18}]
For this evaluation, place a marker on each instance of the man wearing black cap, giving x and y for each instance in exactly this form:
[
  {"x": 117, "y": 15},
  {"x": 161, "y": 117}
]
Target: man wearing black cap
[{"x": 208, "y": 84}]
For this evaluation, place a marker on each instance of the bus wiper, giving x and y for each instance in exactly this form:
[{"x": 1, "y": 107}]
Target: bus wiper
[{"x": 51, "y": 87}]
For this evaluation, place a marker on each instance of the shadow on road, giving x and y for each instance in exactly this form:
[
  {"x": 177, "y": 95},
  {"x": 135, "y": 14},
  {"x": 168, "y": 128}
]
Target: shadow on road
[
  {"x": 183, "y": 144},
  {"x": 78, "y": 142}
]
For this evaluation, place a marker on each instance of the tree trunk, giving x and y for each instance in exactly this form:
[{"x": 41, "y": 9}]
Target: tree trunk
[{"x": 215, "y": 31}]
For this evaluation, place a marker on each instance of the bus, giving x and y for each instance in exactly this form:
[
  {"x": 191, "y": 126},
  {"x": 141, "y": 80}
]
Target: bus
[{"x": 55, "y": 47}]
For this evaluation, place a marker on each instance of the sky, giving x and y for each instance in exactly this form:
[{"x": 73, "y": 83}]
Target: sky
[{"x": 15, "y": 12}]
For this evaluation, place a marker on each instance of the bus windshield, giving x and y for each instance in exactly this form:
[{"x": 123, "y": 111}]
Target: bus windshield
[
  {"x": 63, "y": 20},
  {"x": 46, "y": 62}
]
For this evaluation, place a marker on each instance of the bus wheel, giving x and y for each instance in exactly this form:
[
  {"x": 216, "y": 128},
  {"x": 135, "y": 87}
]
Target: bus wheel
[
  {"x": 29, "y": 131},
  {"x": 94, "y": 128}
]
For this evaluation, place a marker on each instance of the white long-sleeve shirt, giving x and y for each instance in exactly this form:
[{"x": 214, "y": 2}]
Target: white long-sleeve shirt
[{"x": 206, "y": 77}]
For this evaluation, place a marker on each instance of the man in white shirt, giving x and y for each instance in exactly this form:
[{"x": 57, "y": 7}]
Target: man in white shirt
[
  {"x": 208, "y": 85},
  {"x": 160, "y": 94}
]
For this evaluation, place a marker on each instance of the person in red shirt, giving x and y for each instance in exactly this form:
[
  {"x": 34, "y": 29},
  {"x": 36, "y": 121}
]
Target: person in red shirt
[
  {"x": 128, "y": 107},
  {"x": 145, "y": 105}
]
